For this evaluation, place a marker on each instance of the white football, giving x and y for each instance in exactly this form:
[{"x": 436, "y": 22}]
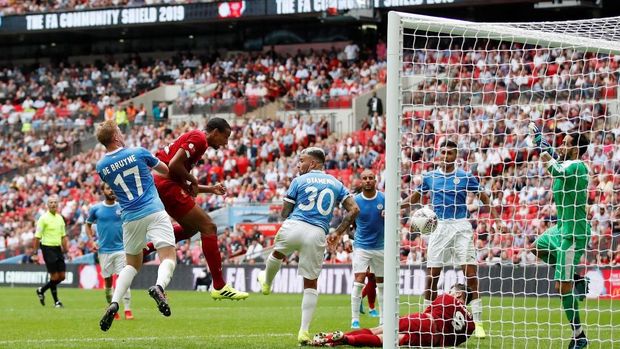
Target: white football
[{"x": 425, "y": 220}]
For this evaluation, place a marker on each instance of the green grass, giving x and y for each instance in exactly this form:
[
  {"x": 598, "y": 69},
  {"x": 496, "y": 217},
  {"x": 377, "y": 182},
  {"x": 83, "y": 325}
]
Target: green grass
[{"x": 264, "y": 322}]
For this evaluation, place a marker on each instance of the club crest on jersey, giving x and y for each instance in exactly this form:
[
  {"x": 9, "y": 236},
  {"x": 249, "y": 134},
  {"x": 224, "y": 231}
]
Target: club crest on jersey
[
  {"x": 380, "y": 207},
  {"x": 118, "y": 212},
  {"x": 457, "y": 180}
]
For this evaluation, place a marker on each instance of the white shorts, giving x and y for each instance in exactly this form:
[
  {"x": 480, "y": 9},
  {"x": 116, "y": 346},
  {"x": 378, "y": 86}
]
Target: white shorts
[
  {"x": 155, "y": 227},
  {"x": 362, "y": 259},
  {"x": 306, "y": 238},
  {"x": 112, "y": 263},
  {"x": 452, "y": 243}
]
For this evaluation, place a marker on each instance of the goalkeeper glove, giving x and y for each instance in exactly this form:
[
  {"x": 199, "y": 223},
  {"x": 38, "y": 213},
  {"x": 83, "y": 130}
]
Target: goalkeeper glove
[{"x": 539, "y": 141}]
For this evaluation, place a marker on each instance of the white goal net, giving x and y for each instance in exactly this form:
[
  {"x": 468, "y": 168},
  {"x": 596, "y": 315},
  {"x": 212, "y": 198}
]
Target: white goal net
[{"x": 480, "y": 85}]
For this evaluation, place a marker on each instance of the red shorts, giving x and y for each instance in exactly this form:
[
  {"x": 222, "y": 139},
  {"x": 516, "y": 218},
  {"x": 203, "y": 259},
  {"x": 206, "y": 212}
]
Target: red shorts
[
  {"x": 177, "y": 201},
  {"x": 418, "y": 330}
]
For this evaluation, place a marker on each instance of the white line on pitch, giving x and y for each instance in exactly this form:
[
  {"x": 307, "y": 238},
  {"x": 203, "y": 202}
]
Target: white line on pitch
[{"x": 138, "y": 339}]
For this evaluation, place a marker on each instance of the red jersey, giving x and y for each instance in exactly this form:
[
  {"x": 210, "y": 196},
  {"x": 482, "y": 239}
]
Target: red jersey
[
  {"x": 453, "y": 322},
  {"x": 193, "y": 142}
]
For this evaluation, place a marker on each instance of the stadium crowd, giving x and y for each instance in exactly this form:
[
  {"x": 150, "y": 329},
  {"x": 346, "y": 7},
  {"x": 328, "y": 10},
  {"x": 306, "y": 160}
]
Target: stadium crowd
[{"x": 488, "y": 118}]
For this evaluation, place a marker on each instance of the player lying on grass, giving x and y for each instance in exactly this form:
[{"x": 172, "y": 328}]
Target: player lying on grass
[
  {"x": 563, "y": 244},
  {"x": 444, "y": 323}
]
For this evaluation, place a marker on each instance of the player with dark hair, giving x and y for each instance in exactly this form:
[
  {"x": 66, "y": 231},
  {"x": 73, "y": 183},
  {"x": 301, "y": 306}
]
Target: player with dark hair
[
  {"x": 106, "y": 215},
  {"x": 452, "y": 243},
  {"x": 367, "y": 244},
  {"x": 563, "y": 244},
  {"x": 308, "y": 209},
  {"x": 444, "y": 323},
  {"x": 178, "y": 189}
]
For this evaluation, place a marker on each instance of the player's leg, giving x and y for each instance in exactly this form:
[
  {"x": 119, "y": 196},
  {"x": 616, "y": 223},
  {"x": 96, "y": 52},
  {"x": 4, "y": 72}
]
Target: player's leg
[
  {"x": 289, "y": 238},
  {"x": 439, "y": 252},
  {"x": 134, "y": 235},
  {"x": 465, "y": 255},
  {"x": 310, "y": 263},
  {"x": 198, "y": 220},
  {"x": 376, "y": 267},
  {"x": 118, "y": 263},
  {"x": 546, "y": 245},
  {"x": 568, "y": 255},
  {"x": 360, "y": 263},
  {"x": 370, "y": 291}
]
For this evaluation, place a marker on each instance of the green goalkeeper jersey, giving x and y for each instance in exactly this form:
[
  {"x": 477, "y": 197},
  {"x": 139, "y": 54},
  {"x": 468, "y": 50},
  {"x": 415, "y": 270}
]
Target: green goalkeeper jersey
[{"x": 570, "y": 193}]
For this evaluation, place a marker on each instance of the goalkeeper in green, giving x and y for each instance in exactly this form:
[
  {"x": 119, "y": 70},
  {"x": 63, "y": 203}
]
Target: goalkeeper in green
[{"x": 563, "y": 244}]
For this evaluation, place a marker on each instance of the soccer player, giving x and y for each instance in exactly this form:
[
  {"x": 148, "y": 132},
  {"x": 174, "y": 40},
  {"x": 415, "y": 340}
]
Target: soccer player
[
  {"x": 107, "y": 216},
  {"x": 444, "y": 323},
  {"x": 178, "y": 188},
  {"x": 368, "y": 243},
  {"x": 370, "y": 291},
  {"x": 308, "y": 209},
  {"x": 128, "y": 172},
  {"x": 452, "y": 242},
  {"x": 53, "y": 239},
  {"x": 563, "y": 244}
]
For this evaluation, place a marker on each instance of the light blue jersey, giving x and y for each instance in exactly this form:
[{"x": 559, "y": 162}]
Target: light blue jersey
[
  {"x": 449, "y": 192},
  {"x": 369, "y": 232},
  {"x": 108, "y": 226},
  {"x": 128, "y": 172},
  {"x": 315, "y": 194}
]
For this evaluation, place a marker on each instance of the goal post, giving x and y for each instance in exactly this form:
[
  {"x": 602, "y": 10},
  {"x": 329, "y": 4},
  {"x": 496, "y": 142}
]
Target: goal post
[{"x": 451, "y": 74}]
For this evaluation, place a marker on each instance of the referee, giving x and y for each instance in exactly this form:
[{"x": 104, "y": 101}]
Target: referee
[{"x": 51, "y": 236}]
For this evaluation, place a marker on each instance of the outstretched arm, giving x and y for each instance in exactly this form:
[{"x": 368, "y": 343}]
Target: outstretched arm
[
  {"x": 353, "y": 210},
  {"x": 287, "y": 208}
]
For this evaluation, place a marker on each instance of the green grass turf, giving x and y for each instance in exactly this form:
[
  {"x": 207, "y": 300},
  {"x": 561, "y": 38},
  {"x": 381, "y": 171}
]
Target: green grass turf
[{"x": 265, "y": 321}]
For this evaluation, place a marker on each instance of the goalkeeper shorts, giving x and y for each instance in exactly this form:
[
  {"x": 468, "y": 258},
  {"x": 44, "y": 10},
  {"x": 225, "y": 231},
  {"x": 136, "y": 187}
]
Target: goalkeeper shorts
[{"x": 566, "y": 250}]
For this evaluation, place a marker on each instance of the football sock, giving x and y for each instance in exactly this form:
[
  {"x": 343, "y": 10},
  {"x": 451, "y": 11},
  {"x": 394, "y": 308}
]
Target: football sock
[
  {"x": 380, "y": 300},
  {"x": 308, "y": 305},
  {"x": 571, "y": 309},
  {"x": 212, "y": 253},
  {"x": 364, "y": 340},
  {"x": 356, "y": 300},
  {"x": 127, "y": 299},
  {"x": 125, "y": 277},
  {"x": 164, "y": 272},
  {"x": 108, "y": 294},
  {"x": 476, "y": 309},
  {"x": 271, "y": 268},
  {"x": 46, "y": 286},
  {"x": 54, "y": 290},
  {"x": 371, "y": 292}
]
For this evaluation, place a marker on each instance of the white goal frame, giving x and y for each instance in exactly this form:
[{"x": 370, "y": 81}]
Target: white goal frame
[{"x": 577, "y": 34}]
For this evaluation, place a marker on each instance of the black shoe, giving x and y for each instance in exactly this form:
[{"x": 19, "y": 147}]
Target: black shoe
[
  {"x": 41, "y": 296},
  {"x": 58, "y": 305},
  {"x": 108, "y": 317},
  {"x": 157, "y": 293},
  {"x": 579, "y": 342}
]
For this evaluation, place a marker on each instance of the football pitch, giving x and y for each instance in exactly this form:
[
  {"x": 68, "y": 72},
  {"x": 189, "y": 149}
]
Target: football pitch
[{"x": 265, "y": 321}]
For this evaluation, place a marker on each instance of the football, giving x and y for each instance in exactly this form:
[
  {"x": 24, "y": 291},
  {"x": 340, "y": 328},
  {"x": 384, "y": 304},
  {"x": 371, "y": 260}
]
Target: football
[{"x": 424, "y": 220}]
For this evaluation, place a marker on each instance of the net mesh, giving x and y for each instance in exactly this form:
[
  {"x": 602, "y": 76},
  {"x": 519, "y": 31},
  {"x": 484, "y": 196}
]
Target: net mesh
[{"x": 481, "y": 92}]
